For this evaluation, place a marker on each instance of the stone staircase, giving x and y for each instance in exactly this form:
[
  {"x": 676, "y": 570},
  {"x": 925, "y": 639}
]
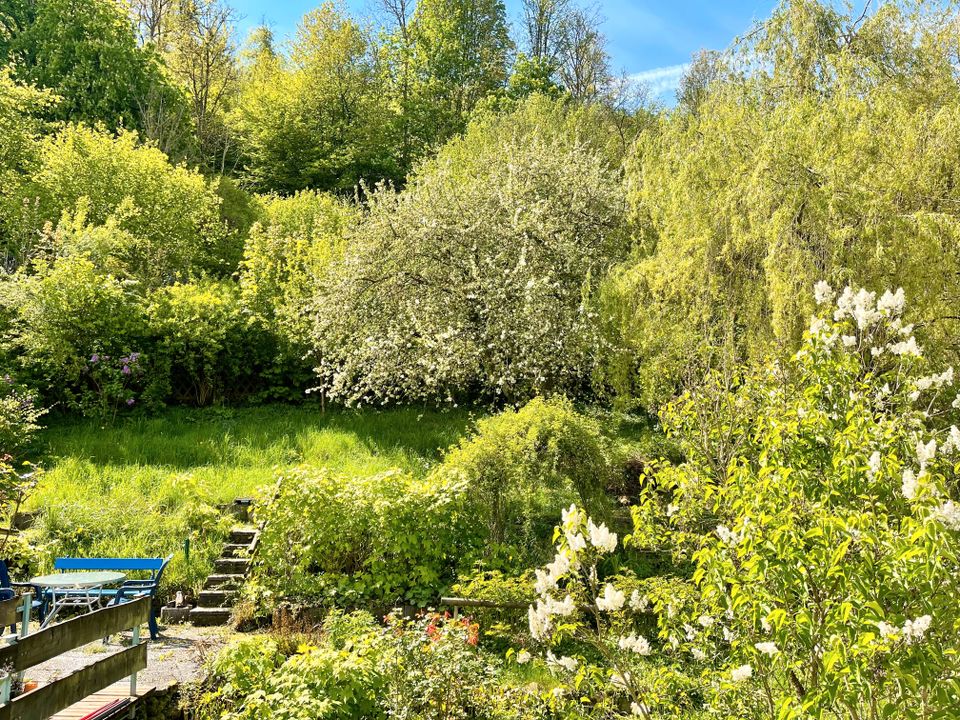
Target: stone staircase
[{"x": 215, "y": 601}]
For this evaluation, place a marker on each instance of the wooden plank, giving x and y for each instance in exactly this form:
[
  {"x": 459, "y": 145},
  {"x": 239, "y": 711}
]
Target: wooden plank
[
  {"x": 50, "y": 699},
  {"x": 98, "y": 700},
  {"x": 76, "y": 632},
  {"x": 8, "y": 611},
  {"x": 468, "y": 602}
]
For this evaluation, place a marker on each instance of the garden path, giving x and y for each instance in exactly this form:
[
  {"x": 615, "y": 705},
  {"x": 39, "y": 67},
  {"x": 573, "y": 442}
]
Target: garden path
[{"x": 177, "y": 656}]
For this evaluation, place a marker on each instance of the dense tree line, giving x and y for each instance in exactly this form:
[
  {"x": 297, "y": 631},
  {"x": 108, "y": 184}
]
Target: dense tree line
[{"x": 433, "y": 207}]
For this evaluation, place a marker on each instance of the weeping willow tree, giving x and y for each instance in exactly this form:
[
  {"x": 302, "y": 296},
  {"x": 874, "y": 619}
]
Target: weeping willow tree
[{"x": 824, "y": 145}]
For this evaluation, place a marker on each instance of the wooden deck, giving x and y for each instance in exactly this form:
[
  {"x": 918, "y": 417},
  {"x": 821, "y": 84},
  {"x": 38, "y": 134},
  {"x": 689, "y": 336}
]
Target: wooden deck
[{"x": 104, "y": 697}]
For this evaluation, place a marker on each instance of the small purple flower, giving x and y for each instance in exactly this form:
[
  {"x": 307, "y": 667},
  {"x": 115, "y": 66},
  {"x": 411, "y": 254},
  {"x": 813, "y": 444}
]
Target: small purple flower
[
  {"x": 130, "y": 402},
  {"x": 134, "y": 357},
  {"x": 94, "y": 359},
  {"x": 126, "y": 370}
]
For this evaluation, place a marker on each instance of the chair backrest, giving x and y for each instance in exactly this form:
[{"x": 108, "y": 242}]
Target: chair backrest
[
  {"x": 163, "y": 565},
  {"x": 152, "y": 565}
]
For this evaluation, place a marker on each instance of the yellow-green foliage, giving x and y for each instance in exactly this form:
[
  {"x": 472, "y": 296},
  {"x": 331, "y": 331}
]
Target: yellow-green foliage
[
  {"x": 63, "y": 316},
  {"x": 836, "y": 158},
  {"x": 169, "y": 214},
  {"x": 287, "y": 253},
  {"x": 383, "y": 538},
  {"x": 522, "y": 465}
]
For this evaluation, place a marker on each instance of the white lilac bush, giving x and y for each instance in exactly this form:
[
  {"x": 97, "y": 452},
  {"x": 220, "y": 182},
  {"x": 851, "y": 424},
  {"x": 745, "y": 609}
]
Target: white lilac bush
[
  {"x": 818, "y": 502},
  {"x": 607, "y": 666}
]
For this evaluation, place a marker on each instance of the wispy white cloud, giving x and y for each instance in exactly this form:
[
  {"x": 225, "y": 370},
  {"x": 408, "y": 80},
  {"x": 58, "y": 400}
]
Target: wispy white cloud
[{"x": 662, "y": 80}]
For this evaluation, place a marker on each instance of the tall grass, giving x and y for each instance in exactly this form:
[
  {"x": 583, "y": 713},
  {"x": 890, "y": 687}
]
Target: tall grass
[{"x": 143, "y": 485}]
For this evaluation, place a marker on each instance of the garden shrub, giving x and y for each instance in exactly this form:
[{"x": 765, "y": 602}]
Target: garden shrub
[
  {"x": 428, "y": 668},
  {"x": 19, "y": 129},
  {"x": 212, "y": 351},
  {"x": 499, "y": 628},
  {"x": 388, "y": 538},
  {"x": 19, "y": 473},
  {"x": 79, "y": 337},
  {"x": 19, "y": 419},
  {"x": 819, "y": 505},
  {"x": 170, "y": 215},
  {"x": 329, "y": 679},
  {"x": 199, "y": 329},
  {"x": 287, "y": 255},
  {"x": 520, "y": 465}
]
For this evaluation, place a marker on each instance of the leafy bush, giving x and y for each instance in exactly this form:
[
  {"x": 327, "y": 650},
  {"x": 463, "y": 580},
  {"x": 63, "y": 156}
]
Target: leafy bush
[
  {"x": 521, "y": 464},
  {"x": 477, "y": 280},
  {"x": 74, "y": 331},
  {"x": 386, "y": 538},
  {"x": 169, "y": 216},
  {"x": 286, "y": 256},
  {"x": 19, "y": 129},
  {"x": 19, "y": 423},
  {"x": 427, "y": 668},
  {"x": 613, "y": 669},
  {"x": 499, "y": 628},
  {"x": 819, "y": 503},
  {"x": 19, "y": 419},
  {"x": 199, "y": 329}
]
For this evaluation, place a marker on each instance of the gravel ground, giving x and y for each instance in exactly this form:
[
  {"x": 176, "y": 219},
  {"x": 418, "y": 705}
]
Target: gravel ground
[{"x": 177, "y": 656}]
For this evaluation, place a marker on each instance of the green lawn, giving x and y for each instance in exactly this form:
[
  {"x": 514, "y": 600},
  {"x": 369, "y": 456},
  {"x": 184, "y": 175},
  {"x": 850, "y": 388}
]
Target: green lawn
[{"x": 140, "y": 486}]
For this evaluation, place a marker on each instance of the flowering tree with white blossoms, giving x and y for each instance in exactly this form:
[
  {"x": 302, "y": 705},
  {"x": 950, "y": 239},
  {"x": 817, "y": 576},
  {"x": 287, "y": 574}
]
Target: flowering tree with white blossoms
[
  {"x": 826, "y": 541},
  {"x": 601, "y": 619}
]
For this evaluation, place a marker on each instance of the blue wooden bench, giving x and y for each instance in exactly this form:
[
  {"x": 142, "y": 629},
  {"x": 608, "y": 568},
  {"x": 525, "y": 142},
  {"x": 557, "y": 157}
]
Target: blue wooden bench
[{"x": 131, "y": 589}]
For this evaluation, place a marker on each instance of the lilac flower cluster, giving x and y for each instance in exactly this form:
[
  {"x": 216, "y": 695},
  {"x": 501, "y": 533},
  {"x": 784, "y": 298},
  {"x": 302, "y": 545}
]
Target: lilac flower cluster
[{"x": 127, "y": 365}]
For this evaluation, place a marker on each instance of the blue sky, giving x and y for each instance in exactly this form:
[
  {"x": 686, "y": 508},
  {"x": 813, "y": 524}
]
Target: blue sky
[{"x": 652, "y": 40}]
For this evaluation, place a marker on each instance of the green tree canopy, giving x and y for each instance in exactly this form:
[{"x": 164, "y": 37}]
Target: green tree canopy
[
  {"x": 315, "y": 119},
  {"x": 826, "y": 147},
  {"x": 86, "y": 52},
  {"x": 164, "y": 219}
]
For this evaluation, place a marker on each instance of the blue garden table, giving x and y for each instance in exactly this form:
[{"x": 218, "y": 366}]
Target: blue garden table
[{"x": 75, "y": 590}]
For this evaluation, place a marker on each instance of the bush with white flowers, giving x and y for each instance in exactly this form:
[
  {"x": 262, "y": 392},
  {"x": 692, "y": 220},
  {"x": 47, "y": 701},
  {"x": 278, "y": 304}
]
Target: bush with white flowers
[
  {"x": 819, "y": 502},
  {"x": 609, "y": 667}
]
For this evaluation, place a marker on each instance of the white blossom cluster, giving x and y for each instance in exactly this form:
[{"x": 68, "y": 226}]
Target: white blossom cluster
[
  {"x": 948, "y": 513},
  {"x": 730, "y": 537},
  {"x": 580, "y": 533},
  {"x": 581, "y": 544},
  {"x": 912, "y": 630},
  {"x": 473, "y": 280},
  {"x": 863, "y": 307}
]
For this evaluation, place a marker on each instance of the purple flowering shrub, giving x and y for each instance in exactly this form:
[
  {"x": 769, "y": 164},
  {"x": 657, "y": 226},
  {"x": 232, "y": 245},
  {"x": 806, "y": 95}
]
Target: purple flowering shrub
[{"x": 115, "y": 383}]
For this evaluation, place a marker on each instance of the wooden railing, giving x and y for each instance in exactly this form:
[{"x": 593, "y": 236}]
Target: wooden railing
[
  {"x": 458, "y": 602},
  {"x": 27, "y": 651}
]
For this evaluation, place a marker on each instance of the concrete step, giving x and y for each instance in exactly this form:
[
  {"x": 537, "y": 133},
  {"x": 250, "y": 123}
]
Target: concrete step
[
  {"x": 233, "y": 566},
  {"x": 242, "y": 536},
  {"x": 223, "y": 581},
  {"x": 205, "y": 616},
  {"x": 235, "y": 550},
  {"x": 216, "y": 598}
]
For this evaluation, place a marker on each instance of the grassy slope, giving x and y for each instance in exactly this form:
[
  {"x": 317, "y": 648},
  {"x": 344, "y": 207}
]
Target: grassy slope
[{"x": 139, "y": 486}]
